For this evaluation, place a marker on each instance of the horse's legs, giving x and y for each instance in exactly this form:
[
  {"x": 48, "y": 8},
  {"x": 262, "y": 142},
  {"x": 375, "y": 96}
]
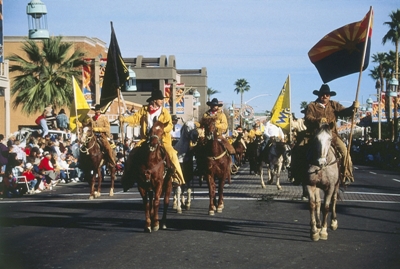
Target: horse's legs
[
  {"x": 189, "y": 198},
  {"x": 211, "y": 193},
  {"x": 262, "y": 175},
  {"x": 334, "y": 222},
  {"x": 325, "y": 212},
  {"x": 177, "y": 199},
  {"x": 270, "y": 171},
  {"x": 92, "y": 179},
  {"x": 112, "y": 172},
  {"x": 314, "y": 231},
  {"x": 146, "y": 205},
  {"x": 167, "y": 193},
  {"x": 278, "y": 175},
  {"x": 156, "y": 205},
  {"x": 99, "y": 179},
  {"x": 221, "y": 194}
]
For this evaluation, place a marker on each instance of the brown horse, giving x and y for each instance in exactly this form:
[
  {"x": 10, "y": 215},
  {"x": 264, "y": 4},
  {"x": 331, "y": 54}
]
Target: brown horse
[
  {"x": 239, "y": 149},
  {"x": 152, "y": 169},
  {"x": 217, "y": 164},
  {"x": 91, "y": 159}
]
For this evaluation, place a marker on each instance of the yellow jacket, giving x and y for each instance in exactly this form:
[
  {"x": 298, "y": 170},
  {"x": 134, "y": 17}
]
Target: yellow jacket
[
  {"x": 221, "y": 122},
  {"x": 140, "y": 119},
  {"x": 102, "y": 125}
]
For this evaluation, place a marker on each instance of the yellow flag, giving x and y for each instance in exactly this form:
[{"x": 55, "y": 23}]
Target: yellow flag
[
  {"x": 280, "y": 113},
  {"x": 79, "y": 107}
]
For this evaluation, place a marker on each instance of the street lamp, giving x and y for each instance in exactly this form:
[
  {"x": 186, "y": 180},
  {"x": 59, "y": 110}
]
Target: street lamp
[
  {"x": 232, "y": 114},
  {"x": 37, "y": 20}
]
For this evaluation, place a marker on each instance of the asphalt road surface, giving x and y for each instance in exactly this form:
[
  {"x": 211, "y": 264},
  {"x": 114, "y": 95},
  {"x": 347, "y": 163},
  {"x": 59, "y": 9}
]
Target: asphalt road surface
[{"x": 258, "y": 228}]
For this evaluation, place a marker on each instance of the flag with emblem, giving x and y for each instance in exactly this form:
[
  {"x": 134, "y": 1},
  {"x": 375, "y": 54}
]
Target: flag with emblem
[
  {"x": 343, "y": 51},
  {"x": 280, "y": 113}
]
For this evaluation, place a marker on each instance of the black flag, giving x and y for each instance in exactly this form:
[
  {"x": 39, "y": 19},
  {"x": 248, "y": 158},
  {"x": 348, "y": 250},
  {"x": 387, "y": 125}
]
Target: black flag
[{"x": 115, "y": 75}]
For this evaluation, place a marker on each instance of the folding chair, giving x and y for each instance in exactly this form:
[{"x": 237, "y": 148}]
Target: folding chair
[{"x": 21, "y": 181}]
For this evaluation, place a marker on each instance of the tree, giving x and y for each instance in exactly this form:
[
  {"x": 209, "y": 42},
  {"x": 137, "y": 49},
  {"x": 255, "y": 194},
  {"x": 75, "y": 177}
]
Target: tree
[
  {"x": 44, "y": 74},
  {"x": 393, "y": 35},
  {"x": 210, "y": 92},
  {"x": 241, "y": 86},
  {"x": 303, "y": 104}
]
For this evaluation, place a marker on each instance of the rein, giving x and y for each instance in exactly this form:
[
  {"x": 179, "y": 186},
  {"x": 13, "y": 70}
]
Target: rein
[
  {"x": 88, "y": 139},
  {"x": 219, "y": 156}
]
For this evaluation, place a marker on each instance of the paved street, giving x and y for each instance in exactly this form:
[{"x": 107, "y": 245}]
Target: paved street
[{"x": 259, "y": 228}]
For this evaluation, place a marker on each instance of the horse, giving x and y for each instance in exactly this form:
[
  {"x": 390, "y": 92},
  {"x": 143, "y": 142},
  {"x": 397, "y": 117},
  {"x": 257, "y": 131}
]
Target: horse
[
  {"x": 217, "y": 165},
  {"x": 153, "y": 170},
  {"x": 273, "y": 156},
  {"x": 240, "y": 149},
  {"x": 323, "y": 174},
  {"x": 91, "y": 160},
  {"x": 253, "y": 154},
  {"x": 188, "y": 139}
]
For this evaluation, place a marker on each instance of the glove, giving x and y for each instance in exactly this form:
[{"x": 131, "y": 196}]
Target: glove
[
  {"x": 121, "y": 119},
  {"x": 96, "y": 129},
  {"x": 323, "y": 120},
  {"x": 356, "y": 104}
]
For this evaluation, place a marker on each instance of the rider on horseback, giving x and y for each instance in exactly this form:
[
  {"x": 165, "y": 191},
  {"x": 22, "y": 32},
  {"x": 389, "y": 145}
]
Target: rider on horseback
[
  {"x": 221, "y": 123},
  {"x": 145, "y": 117},
  {"x": 101, "y": 126},
  {"x": 327, "y": 110}
]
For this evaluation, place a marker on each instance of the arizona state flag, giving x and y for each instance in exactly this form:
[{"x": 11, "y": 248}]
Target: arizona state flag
[
  {"x": 341, "y": 52},
  {"x": 281, "y": 110},
  {"x": 79, "y": 107},
  {"x": 115, "y": 75}
]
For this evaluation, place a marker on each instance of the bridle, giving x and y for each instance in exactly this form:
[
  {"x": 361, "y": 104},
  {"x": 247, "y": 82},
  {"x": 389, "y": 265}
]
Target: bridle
[{"x": 86, "y": 144}]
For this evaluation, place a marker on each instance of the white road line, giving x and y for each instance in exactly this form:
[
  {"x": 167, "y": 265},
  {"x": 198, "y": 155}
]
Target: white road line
[
  {"x": 372, "y": 173},
  {"x": 372, "y": 193},
  {"x": 397, "y": 180}
]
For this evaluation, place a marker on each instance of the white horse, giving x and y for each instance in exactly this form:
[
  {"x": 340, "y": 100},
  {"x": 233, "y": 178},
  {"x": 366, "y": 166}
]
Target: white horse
[{"x": 187, "y": 140}]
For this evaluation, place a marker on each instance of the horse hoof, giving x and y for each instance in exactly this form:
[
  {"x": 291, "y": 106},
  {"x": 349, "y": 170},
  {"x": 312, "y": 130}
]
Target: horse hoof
[
  {"x": 314, "y": 237},
  {"x": 179, "y": 210},
  {"x": 263, "y": 186},
  {"x": 156, "y": 228},
  {"x": 91, "y": 197},
  {"x": 174, "y": 206},
  {"x": 323, "y": 235},
  {"x": 164, "y": 227},
  {"x": 334, "y": 225},
  {"x": 211, "y": 212},
  {"x": 111, "y": 193},
  {"x": 279, "y": 187},
  {"x": 219, "y": 209},
  {"x": 147, "y": 230}
]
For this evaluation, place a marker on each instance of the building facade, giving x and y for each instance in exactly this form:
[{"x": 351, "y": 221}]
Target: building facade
[{"x": 149, "y": 73}]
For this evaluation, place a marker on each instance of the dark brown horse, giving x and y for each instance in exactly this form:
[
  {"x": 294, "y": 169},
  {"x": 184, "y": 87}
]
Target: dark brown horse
[
  {"x": 239, "y": 149},
  {"x": 91, "y": 159},
  {"x": 217, "y": 165},
  {"x": 153, "y": 175}
]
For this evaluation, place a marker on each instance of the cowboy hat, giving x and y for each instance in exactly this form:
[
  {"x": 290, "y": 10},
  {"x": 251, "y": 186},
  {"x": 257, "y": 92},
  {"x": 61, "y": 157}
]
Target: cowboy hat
[
  {"x": 324, "y": 90},
  {"x": 155, "y": 95},
  {"x": 96, "y": 107},
  {"x": 214, "y": 102}
]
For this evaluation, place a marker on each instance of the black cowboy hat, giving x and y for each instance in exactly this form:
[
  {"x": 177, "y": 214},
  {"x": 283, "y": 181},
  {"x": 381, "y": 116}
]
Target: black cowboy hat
[
  {"x": 324, "y": 90},
  {"x": 155, "y": 95},
  {"x": 96, "y": 107},
  {"x": 214, "y": 102}
]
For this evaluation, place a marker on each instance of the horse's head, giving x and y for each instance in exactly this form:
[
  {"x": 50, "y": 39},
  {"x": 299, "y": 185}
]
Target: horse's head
[
  {"x": 86, "y": 131},
  {"x": 155, "y": 134},
  {"x": 322, "y": 143},
  {"x": 210, "y": 129}
]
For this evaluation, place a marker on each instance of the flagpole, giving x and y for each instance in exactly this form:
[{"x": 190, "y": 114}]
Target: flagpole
[
  {"x": 76, "y": 107},
  {"x": 290, "y": 110},
  {"x": 358, "y": 89},
  {"x": 121, "y": 125}
]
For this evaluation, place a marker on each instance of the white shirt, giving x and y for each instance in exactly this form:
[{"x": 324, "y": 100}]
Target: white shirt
[
  {"x": 177, "y": 132},
  {"x": 273, "y": 130}
]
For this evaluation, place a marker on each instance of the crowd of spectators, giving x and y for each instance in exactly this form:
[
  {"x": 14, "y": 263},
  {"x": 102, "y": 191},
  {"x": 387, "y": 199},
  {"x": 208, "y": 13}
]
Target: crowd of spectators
[{"x": 37, "y": 165}]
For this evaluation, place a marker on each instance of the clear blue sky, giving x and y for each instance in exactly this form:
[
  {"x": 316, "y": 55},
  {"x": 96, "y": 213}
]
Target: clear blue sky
[{"x": 262, "y": 41}]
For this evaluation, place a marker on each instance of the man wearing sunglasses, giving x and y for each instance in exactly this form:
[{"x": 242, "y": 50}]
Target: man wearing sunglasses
[{"x": 323, "y": 108}]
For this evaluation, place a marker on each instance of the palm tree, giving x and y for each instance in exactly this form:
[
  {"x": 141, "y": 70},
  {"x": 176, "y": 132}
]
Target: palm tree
[
  {"x": 303, "y": 104},
  {"x": 393, "y": 35},
  {"x": 241, "y": 86},
  {"x": 44, "y": 74},
  {"x": 210, "y": 92}
]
